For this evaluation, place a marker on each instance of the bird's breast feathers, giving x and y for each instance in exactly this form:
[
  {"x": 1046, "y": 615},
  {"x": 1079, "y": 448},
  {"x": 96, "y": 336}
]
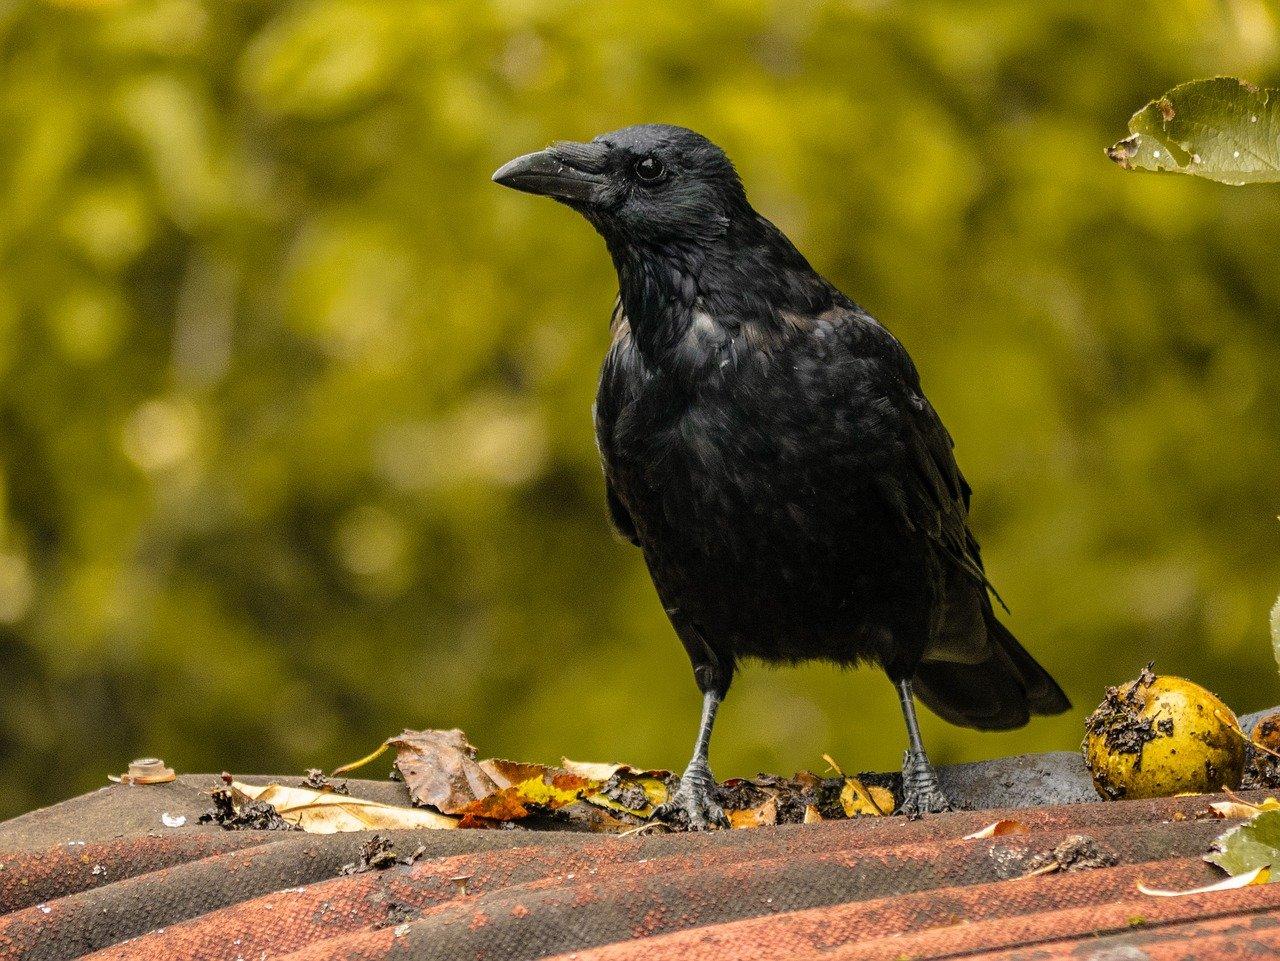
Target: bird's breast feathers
[{"x": 741, "y": 411}]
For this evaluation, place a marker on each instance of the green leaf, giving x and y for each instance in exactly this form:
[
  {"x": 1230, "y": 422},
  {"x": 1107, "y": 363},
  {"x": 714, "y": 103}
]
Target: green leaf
[
  {"x": 1222, "y": 129},
  {"x": 1252, "y": 845}
]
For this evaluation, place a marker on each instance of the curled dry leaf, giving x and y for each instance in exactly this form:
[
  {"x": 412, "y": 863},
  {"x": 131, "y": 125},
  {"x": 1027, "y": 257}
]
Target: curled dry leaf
[
  {"x": 595, "y": 771},
  {"x": 997, "y": 829},
  {"x": 323, "y": 812},
  {"x": 758, "y": 816},
  {"x": 1256, "y": 876}
]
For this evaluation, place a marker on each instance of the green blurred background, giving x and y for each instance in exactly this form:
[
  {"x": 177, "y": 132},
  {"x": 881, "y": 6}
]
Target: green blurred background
[{"x": 295, "y": 444}]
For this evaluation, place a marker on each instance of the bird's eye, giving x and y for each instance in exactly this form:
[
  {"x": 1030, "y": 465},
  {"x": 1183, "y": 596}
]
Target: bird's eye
[{"x": 650, "y": 170}]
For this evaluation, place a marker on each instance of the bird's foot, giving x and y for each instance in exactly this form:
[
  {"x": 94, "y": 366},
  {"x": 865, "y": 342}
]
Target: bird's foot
[
  {"x": 693, "y": 806},
  {"x": 921, "y": 793}
]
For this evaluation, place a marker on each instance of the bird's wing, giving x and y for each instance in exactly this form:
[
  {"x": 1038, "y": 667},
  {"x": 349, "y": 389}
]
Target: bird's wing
[
  {"x": 604, "y": 412},
  {"x": 919, "y": 476},
  {"x": 619, "y": 514}
]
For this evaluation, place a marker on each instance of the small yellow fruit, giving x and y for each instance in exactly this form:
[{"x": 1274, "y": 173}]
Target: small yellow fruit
[{"x": 1161, "y": 736}]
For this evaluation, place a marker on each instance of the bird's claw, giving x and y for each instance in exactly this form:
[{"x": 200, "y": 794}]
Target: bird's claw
[
  {"x": 916, "y": 803},
  {"x": 693, "y": 805},
  {"x": 921, "y": 793}
]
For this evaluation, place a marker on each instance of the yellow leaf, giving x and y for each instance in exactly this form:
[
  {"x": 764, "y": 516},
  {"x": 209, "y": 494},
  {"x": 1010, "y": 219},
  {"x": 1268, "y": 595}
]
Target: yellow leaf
[
  {"x": 1257, "y": 876},
  {"x": 811, "y": 814},
  {"x": 545, "y": 791},
  {"x": 858, "y": 801},
  {"x": 883, "y": 797},
  {"x": 655, "y": 793},
  {"x": 652, "y": 783},
  {"x": 323, "y": 812},
  {"x": 766, "y": 813}
]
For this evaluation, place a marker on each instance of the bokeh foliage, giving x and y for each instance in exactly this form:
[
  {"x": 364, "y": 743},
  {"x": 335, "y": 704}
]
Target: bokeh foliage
[{"x": 294, "y": 404}]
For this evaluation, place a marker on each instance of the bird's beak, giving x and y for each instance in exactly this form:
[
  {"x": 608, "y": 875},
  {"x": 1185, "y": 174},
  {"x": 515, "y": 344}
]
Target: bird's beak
[{"x": 563, "y": 172}]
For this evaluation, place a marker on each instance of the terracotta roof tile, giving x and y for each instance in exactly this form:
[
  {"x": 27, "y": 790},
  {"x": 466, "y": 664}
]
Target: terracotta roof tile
[{"x": 101, "y": 876}]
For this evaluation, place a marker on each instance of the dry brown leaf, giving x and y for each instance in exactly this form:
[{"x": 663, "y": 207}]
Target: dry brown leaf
[
  {"x": 997, "y": 829},
  {"x": 323, "y": 812},
  {"x": 506, "y": 773},
  {"x": 1260, "y": 875},
  {"x": 758, "y": 816},
  {"x": 811, "y": 814},
  {"x": 440, "y": 769}
]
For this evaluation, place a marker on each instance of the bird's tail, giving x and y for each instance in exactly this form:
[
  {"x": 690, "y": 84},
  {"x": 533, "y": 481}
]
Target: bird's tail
[{"x": 999, "y": 693}]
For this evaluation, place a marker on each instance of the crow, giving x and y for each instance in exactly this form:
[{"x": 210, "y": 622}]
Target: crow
[{"x": 768, "y": 447}]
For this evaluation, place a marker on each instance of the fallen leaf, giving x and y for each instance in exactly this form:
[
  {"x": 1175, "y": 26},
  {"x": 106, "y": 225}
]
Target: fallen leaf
[
  {"x": 440, "y": 769},
  {"x": 1237, "y": 809},
  {"x": 997, "y": 829},
  {"x": 545, "y": 791},
  {"x": 1253, "y": 844},
  {"x": 883, "y": 798},
  {"x": 857, "y": 800},
  {"x": 1260, "y": 875},
  {"x": 811, "y": 814},
  {"x": 758, "y": 816},
  {"x": 621, "y": 787},
  {"x": 506, "y": 773},
  {"x": 593, "y": 770},
  {"x": 323, "y": 812}
]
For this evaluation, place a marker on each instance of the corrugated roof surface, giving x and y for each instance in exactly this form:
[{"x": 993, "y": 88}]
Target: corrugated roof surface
[{"x": 101, "y": 876}]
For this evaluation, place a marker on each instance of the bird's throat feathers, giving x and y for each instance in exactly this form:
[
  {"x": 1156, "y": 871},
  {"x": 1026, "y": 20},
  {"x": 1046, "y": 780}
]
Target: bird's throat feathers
[{"x": 686, "y": 302}]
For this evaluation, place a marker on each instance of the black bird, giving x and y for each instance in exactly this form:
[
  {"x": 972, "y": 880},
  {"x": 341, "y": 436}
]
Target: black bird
[{"x": 767, "y": 445}]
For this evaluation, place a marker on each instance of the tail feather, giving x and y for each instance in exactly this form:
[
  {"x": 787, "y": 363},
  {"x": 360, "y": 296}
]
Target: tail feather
[{"x": 996, "y": 694}]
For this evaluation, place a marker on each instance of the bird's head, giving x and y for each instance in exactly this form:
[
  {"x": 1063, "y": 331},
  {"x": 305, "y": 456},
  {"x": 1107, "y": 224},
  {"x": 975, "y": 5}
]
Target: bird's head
[{"x": 652, "y": 184}]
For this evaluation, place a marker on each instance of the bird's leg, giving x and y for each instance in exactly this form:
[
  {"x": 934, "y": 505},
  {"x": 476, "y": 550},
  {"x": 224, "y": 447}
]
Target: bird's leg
[
  {"x": 921, "y": 793},
  {"x": 694, "y": 799}
]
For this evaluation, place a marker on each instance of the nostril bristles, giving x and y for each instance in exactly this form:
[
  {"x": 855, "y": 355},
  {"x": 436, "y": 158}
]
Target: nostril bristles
[{"x": 587, "y": 157}]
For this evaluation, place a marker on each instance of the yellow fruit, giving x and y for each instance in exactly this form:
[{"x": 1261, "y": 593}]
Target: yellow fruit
[{"x": 1161, "y": 736}]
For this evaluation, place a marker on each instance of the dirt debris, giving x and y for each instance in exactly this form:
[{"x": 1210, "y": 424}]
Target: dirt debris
[
  {"x": 317, "y": 780},
  {"x": 256, "y": 816},
  {"x": 1262, "y": 770},
  {"x": 397, "y": 914},
  {"x": 1079, "y": 852},
  {"x": 379, "y": 853},
  {"x": 1118, "y": 718}
]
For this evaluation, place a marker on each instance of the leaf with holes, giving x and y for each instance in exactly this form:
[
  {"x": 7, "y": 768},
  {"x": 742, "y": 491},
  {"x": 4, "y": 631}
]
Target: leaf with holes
[{"x": 1222, "y": 129}]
